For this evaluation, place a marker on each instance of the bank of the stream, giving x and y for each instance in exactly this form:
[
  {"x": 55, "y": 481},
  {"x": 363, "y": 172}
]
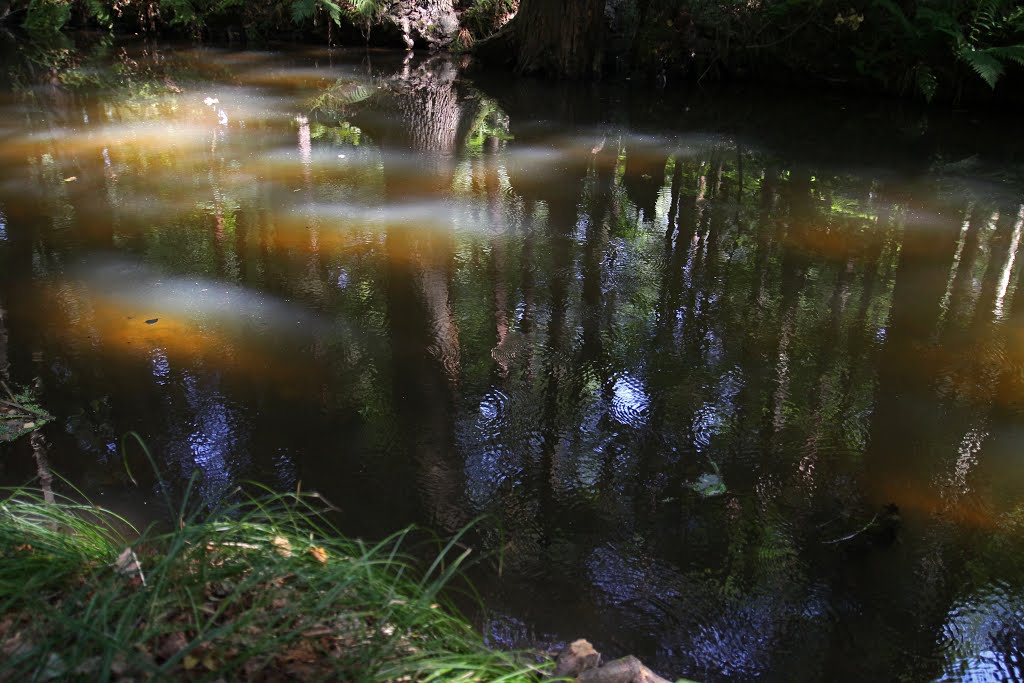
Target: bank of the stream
[
  {"x": 944, "y": 50},
  {"x": 575, "y": 311},
  {"x": 261, "y": 591}
]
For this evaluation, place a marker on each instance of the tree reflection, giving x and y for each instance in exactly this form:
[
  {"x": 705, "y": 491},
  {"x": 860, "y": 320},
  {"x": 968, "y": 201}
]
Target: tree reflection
[{"x": 555, "y": 309}]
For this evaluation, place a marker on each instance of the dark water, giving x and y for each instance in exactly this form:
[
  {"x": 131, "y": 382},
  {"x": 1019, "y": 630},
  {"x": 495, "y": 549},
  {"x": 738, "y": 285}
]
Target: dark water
[{"x": 575, "y": 311}]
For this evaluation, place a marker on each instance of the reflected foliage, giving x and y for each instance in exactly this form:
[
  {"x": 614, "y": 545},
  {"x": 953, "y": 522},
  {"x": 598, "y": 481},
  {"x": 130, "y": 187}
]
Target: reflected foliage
[{"x": 682, "y": 366}]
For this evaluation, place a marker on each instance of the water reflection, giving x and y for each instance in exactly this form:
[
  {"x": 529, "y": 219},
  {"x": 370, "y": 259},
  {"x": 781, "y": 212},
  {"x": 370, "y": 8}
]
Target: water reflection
[{"x": 432, "y": 298}]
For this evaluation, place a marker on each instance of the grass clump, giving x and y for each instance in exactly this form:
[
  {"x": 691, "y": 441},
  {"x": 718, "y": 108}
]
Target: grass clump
[{"x": 265, "y": 590}]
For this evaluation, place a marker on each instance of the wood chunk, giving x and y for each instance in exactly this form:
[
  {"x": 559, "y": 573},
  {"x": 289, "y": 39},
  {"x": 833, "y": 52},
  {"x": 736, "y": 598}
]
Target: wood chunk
[
  {"x": 576, "y": 658},
  {"x": 581, "y": 661},
  {"x": 626, "y": 670}
]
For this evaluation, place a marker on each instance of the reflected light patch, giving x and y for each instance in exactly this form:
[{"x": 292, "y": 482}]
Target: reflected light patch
[
  {"x": 630, "y": 402},
  {"x": 155, "y": 137},
  {"x": 924, "y": 499},
  {"x": 982, "y": 636},
  {"x": 835, "y": 242},
  {"x": 295, "y": 79},
  {"x": 111, "y": 327}
]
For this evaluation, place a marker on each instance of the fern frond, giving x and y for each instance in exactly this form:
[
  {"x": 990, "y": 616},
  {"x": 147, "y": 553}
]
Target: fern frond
[
  {"x": 897, "y": 13},
  {"x": 927, "y": 84},
  {"x": 333, "y": 10},
  {"x": 1012, "y": 53},
  {"x": 1015, "y": 21},
  {"x": 986, "y": 19},
  {"x": 367, "y": 10},
  {"x": 302, "y": 10},
  {"x": 941, "y": 21},
  {"x": 987, "y": 66}
]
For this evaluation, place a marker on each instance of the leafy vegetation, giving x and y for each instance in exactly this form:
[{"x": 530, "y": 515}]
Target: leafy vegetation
[
  {"x": 932, "y": 48},
  {"x": 941, "y": 48},
  {"x": 484, "y": 17},
  {"x": 19, "y": 414},
  {"x": 254, "y": 590}
]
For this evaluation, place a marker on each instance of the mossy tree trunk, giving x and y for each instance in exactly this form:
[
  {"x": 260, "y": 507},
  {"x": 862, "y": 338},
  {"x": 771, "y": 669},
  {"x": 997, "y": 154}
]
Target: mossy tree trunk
[{"x": 555, "y": 38}]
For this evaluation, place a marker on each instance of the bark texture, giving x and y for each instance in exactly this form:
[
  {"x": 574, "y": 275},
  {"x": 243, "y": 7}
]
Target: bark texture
[
  {"x": 430, "y": 22},
  {"x": 555, "y": 38}
]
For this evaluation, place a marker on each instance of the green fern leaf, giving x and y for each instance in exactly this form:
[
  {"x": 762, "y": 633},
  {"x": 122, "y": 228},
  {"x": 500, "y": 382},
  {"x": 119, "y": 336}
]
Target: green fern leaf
[
  {"x": 927, "y": 83},
  {"x": 984, "y": 64},
  {"x": 941, "y": 21},
  {"x": 302, "y": 10},
  {"x": 1012, "y": 53},
  {"x": 985, "y": 20},
  {"x": 1015, "y": 21},
  {"x": 367, "y": 10},
  {"x": 333, "y": 10}
]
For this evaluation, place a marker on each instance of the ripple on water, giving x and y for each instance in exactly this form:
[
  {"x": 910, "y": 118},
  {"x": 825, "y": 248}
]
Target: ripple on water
[
  {"x": 486, "y": 471},
  {"x": 493, "y": 408},
  {"x": 630, "y": 401},
  {"x": 983, "y": 637}
]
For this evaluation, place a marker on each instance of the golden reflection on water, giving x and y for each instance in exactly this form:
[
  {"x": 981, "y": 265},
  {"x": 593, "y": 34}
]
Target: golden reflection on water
[
  {"x": 564, "y": 330},
  {"x": 111, "y": 329}
]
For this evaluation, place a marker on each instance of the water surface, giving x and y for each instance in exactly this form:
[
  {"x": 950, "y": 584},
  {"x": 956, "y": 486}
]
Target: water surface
[{"x": 680, "y": 348}]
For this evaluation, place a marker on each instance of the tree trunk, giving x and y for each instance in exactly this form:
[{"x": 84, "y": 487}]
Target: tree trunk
[
  {"x": 430, "y": 22},
  {"x": 3, "y": 342},
  {"x": 555, "y": 38}
]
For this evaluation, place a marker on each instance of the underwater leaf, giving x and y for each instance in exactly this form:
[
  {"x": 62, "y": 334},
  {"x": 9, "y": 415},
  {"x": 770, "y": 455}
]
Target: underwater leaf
[
  {"x": 342, "y": 93},
  {"x": 708, "y": 485}
]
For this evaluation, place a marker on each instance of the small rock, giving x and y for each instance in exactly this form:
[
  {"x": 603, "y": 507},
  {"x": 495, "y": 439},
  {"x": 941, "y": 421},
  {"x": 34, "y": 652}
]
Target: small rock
[{"x": 153, "y": 321}]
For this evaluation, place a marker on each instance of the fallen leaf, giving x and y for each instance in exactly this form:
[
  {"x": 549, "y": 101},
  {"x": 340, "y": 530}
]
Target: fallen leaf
[
  {"x": 282, "y": 546},
  {"x": 319, "y": 553},
  {"x": 189, "y": 662},
  {"x": 70, "y": 179}
]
